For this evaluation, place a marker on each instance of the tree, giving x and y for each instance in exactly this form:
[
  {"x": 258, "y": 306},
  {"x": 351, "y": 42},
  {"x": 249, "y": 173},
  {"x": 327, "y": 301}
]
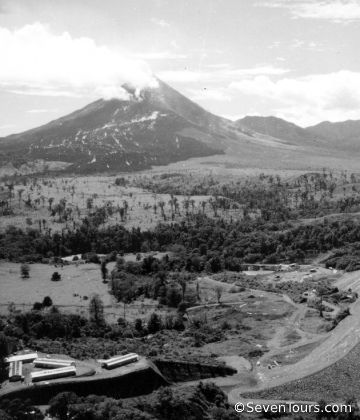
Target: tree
[
  {"x": 11, "y": 309},
  {"x": 18, "y": 409},
  {"x": 25, "y": 271},
  {"x": 55, "y": 276},
  {"x": 37, "y": 306},
  {"x": 218, "y": 292},
  {"x": 20, "y": 193},
  {"x": 214, "y": 264},
  {"x": 173, "y": 297},
  {"x": 123, "y": 288},
  {"x": 182, "y": 307},
  {"x": 59, "y": 405},
  {"x": 122, "y": 213},
  {"x": 138, "y": 325},
  {"x": 120, "y": 262},
  {"x": 4, "y": 352},
  {"x": 89, "y": 203},
  {"x": 154, "y": 323},
  {"x": 50, "y": 201},
  {"x": 104, "y": 271},
  {"x": 4, "y": 415},
  {"x": 162, "y": 205},
  {"x": 96, "y": 310},
  {"x": 198, "y": 291},
  {"x": 11, "y": 189},
  {"x": 182, "y": 280},
  {"x": 47, "y": 302}
]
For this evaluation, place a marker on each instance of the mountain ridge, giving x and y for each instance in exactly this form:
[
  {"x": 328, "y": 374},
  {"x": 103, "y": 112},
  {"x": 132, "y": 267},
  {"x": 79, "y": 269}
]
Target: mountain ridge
[
  {"x": 159, "y": 126},
  {"x": 336, "y": 135}
]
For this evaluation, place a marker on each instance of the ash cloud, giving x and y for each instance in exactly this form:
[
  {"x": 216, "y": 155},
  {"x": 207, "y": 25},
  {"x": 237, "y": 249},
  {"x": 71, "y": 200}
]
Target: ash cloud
[{"x": 36, "y": 61}]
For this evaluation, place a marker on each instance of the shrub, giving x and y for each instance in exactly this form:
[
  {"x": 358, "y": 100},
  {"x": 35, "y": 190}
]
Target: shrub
[
  {"x": 255, "y": 353},
  {"x": 37, "y": 306},
  {"x": 138, "y": 325},
  {"x": 182, "y": 307},
  {"x": 47, "y": 302},
  {"x": 173, "y": 297},
  {"x": 91, "y": 257},
  {"x": 154, "y": 324},
  {"x": 55, "y": 276},
  {"x": 25, "y": 271},
  {"x": 225, "y": 325}
]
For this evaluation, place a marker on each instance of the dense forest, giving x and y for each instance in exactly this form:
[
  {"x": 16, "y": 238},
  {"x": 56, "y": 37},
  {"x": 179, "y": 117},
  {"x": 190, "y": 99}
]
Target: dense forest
[
  {"x": 201, "y": 243},
  {"x": 196, "y": 403},
  {"x": 204, "y": 401},
  {"x": 241, "y": 220}
]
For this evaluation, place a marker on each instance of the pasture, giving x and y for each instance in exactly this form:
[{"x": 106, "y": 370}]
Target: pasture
[
  {"x": 53, "y": 204},
  {"x": 71, "y": 294}
]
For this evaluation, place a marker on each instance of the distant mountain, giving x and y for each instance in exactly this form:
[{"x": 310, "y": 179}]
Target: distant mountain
[
  {"x": 339, "y": 135},
  {"x": 344, "y": 136},
  {"x": 158, "y": 126},
  {"x": 281, "y": 129}
]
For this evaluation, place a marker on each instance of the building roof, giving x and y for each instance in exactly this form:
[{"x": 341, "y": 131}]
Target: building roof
[{"x": 21, "y": 357}]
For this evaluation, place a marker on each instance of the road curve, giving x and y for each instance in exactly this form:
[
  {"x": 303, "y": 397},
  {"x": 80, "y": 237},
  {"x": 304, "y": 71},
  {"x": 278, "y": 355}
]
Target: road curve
[{"x": 339, "y": 342}]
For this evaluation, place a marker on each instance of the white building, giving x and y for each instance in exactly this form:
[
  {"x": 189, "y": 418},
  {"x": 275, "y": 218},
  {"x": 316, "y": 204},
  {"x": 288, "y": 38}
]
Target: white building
[
  {"x": 118, "y": 361},
  {"x": 53, "y": 363},
  {"x": 25, "y": 358},
  {"x": 15, "y": 371},
  {"x": 44, "y": 375}
]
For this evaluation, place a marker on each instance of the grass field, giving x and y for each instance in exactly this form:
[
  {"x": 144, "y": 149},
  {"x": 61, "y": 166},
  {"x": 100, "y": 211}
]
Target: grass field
[
  {"x": 72, "y": 294},
  {"x": 31, "y": 202},
  {"x": 252, "y": 321},
  {"x": 76, "y": 191},
  {"x": 249, "y": 319}
]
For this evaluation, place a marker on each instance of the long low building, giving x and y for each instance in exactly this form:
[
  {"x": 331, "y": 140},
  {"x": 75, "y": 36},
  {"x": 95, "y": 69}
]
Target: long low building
[
  {"x": 25, "y": 358},
  {"x": 15, "y": 371},
  {"x": 53, "y": 363},
  {"x": 44, "y": 375},
  {"x": 118, "y": 361}
]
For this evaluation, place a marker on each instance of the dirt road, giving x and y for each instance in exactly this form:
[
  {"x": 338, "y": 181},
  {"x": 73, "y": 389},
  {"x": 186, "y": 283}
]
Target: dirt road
[{"x": 337, "y": 344}]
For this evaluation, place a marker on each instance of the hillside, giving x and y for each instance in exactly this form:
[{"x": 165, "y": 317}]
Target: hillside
[
  {"x": 158, "y": 126},
  {"x": 281, "y": 129},
  {"x": 340, "y": 135},
  {"x": 337, "y": 136}
]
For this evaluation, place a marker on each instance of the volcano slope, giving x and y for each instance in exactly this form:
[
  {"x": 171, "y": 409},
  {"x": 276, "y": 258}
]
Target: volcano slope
[
  {"x": 159, "y": 126},
  {"x": 156, "y": 126}
]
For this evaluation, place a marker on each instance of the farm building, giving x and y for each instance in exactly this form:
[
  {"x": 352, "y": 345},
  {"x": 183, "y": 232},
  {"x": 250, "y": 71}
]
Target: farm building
[
  {"x": 72, "y": 258},
  {"x": 45, "y": 375},
  {"x": 118, "y": 361},
  {"x": 312, "y": 298},
  {"x": 53, "y": 363},
  {"x": 257, "y": 267},
  {"x": 25, "y": 358},
  {"x": 15, "y": 371}
]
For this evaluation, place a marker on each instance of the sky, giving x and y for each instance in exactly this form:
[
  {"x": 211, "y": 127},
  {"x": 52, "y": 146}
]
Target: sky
[{"x": 294, "y": 59}]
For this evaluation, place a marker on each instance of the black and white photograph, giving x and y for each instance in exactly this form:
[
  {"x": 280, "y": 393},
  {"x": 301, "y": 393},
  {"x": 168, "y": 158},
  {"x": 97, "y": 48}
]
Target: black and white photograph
[{"x": 179, "y": 209}]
